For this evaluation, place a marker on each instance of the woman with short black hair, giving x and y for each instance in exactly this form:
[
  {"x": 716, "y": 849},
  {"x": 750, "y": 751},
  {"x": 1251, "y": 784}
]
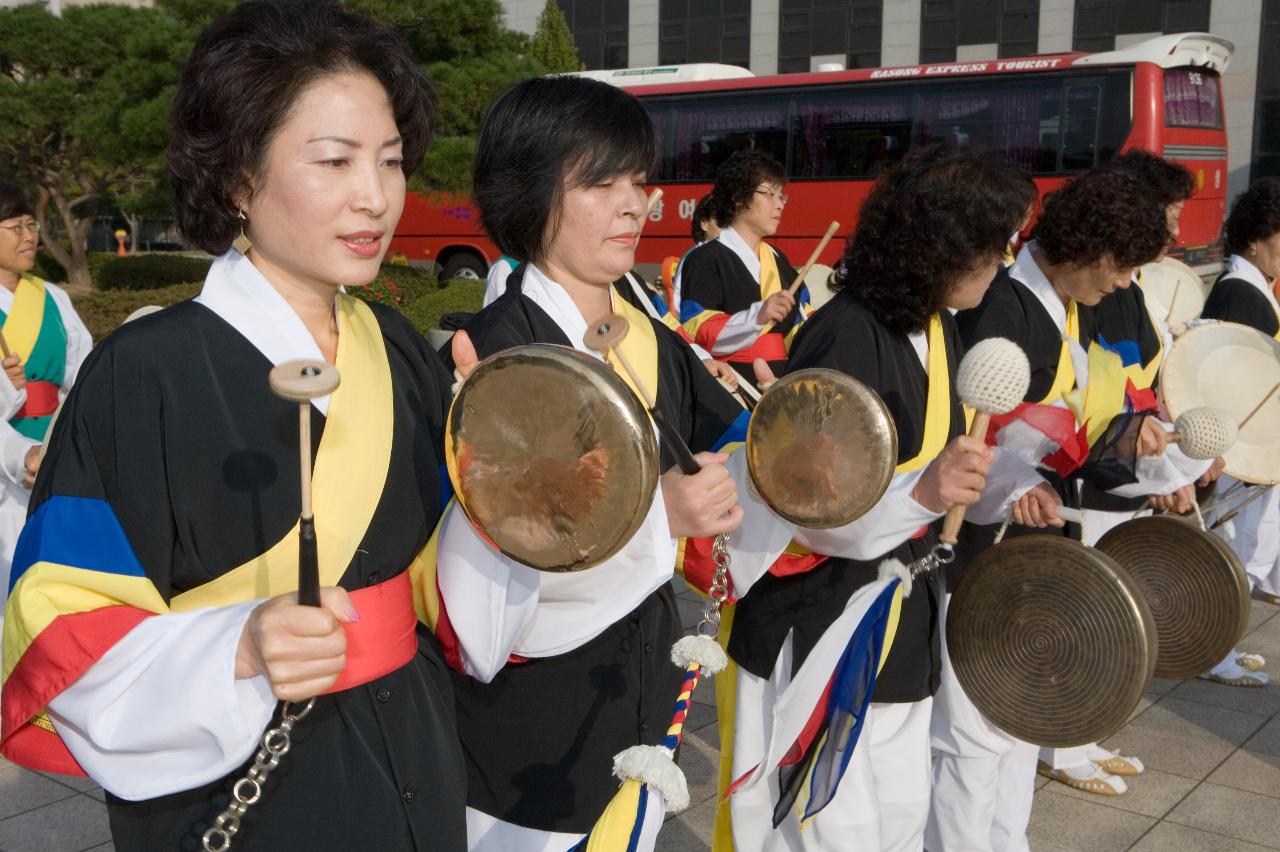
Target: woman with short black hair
[
  {"x": 929, "y": 239},
  {"x": 48, "y": 342},
  {"x": 732, "y": 290},
  {"x": 155, "y": 598},
  {"x": 1245, "y": 292},
  {"x": 564, "y": 671}
]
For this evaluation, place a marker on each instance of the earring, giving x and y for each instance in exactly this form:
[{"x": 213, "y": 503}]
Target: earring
[
  {"x": 1253, "y": 251},
  {"x": 242, "y": 243}
]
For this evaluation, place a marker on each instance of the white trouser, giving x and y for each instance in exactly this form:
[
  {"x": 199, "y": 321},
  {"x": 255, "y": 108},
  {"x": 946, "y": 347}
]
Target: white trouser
[
  {"x": 882, "y": 802},
  {"x": 13, "y": 515},
  {"x": 1254, "y": 535},
  {"x": 983, "y": 778}
]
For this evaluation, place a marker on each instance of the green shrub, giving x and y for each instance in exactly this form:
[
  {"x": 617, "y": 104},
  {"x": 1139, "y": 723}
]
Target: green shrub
[
  {"x": 460, "y": 295},
  {"x": 149, "y": 271},
  {"x": 48, "y": 268},
  {"x": 104, "y": 310}
]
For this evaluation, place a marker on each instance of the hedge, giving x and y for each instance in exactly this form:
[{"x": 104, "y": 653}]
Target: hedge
[
  {"x": 422, "y": 300},
  {"x": 150, "y": 271},
  {"x": 104, "y": 310}
]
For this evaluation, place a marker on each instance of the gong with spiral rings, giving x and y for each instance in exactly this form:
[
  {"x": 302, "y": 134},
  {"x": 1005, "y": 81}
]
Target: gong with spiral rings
[
  {"x": 1196, "y": 588},
  {"x": 1051, "y": 640}
]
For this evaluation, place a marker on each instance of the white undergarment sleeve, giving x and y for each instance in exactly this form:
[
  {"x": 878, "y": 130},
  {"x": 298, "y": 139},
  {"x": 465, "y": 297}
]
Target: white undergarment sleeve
[
  {"x": 763, "y": 536},
  {"x": 741, "y": 331},
  {"x": 890, "y": 522},
  {"x": 1165, "y": 473},
  {"x": 162, "y": 711},
  {"x": 490, "y": 598},
  {"x": 1009, "y": 477}
]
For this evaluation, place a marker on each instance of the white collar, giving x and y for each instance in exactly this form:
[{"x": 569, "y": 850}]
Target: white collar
[
  {"x": 1027, "y": 272},
  {"x": 738, "y": 245},
  {"x": 1240, "y": 268},
  {"x": 235, "y": 290},
  {"x": 555, "y": 301}
]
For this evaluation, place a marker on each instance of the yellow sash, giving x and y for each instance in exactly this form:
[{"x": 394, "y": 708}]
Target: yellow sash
[
  {"x": 22, "y": 327},
  {"x": 350, "y": 471},
  {"x": 770, "y": 280},
  {"x": 937, "y": 413},
  {"x": 640, "y": 347},
  {"x": 1064, "y": 378}
]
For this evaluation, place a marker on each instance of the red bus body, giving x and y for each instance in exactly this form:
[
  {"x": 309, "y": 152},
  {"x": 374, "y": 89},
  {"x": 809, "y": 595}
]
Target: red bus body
[{"x": 1107, "y": 103}]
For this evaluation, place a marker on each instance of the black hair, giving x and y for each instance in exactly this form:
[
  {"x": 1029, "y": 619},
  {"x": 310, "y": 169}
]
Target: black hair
[
  {"x": 14, "y": 201},
  {"x": 701, "y": 213},
  {"x": 1167, "y": 181},
  {"x": 933, "y": 217},
  {"x": 737, "y": 180},
  {"x": 1255, "y": 215},
  {"x": 1102, "y": 213},
  {"x": 543, "y": 136},
  {"x": 246, "y": 72}
]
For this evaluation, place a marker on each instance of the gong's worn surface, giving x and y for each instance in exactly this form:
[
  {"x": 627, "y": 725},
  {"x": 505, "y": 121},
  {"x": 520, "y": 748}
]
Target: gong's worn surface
[
  {"x": 821, "y": 448},
  {"x": 552, "y": 456},
  {"x": 1198, "y": 596},
  {"x": 1051, "y": 640}
]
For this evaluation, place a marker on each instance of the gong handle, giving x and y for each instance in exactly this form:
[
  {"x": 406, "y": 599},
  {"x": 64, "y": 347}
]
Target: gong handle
[
  {"x": 955, "y": 515},
  {"x": 674, "y": 441},
  {"x": 308, "y": 563}
]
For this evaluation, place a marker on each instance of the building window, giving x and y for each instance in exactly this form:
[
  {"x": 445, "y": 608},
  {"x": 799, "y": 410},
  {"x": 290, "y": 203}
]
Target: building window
[
  {"x": 704, "y": 31},
  {"x": 1012, "y": 25},
  {"x": 1098, "y": 22},
  {"x": 599, "y": 31},
  {"x": 1266, "y": 121},
  {"x": 846, "y": 28}
]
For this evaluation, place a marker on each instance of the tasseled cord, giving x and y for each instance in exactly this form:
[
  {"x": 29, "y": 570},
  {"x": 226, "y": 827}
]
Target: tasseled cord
[
  {"x": 891, "y": 568},
  {"x": 655, "y": 765}
]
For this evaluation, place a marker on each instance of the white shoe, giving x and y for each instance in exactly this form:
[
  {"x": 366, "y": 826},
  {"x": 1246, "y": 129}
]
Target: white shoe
[
  {"x": 1089, "y": 778},
  {"x": 1114, "y": 763},
  {"x": 1231, "y": 673}
]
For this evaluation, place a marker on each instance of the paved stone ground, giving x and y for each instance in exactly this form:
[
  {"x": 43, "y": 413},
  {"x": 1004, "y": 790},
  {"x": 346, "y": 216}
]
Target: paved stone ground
[{"x": 1212, "y": 782}]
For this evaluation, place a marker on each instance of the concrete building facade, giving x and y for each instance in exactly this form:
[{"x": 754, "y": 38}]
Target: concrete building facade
[{"x": 782, "y": 36}]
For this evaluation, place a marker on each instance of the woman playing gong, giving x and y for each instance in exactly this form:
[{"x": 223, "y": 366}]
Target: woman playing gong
[
  {"x": 560, "y": 672},
  {"x": 154, "y": 607},
  {"x": 929, "y": 238}
]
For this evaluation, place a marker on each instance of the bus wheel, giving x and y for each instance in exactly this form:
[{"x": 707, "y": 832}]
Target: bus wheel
[{"x": 463, "y": 265}]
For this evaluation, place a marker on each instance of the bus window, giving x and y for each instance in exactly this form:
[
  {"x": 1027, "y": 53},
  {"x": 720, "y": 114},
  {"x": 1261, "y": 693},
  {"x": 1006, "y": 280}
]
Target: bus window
[
  {"x": 1080, "y": 127},
  {"x": 1191, "y": 99},
  {"x": 708, "y": 129},
  {"x": 1018, "y": 119},
  {"x": 853, "y": 133}
]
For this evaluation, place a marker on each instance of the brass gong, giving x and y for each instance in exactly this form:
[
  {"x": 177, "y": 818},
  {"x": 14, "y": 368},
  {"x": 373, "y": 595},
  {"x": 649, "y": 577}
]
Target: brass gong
[
  {"x": 1197, "y": 593},
  {"x": 552, "y": 456},
  {"x": 1051, "y": 640},
  {"x": 821, "y": 448}
]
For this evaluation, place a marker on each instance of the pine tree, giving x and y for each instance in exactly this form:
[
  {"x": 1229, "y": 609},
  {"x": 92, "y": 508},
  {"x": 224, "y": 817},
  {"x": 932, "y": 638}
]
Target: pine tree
[{"x": 553, "y": 43}]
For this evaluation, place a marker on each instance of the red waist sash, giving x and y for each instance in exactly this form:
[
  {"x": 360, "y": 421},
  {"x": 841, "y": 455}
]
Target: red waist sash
[
  {"x": 42, "y": 400},
  {"x": 385, "y": 638}
]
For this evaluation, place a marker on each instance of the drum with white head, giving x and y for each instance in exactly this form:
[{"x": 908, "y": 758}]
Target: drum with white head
[{"x": 1174, "y": 293}]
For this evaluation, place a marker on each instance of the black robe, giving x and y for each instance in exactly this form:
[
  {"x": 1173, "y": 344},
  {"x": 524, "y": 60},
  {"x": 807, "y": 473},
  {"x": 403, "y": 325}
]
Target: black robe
[
  {"x": 1238, "y": 300},
  {"x": 715, "y": 278},
  {"x": 539, "y": 739},
  {"x": 172, "y": 423},
  {"x": 845, "y": 336}
]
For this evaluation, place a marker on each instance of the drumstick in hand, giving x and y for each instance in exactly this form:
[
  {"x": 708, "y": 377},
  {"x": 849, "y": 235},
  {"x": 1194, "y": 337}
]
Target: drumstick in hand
[
  {"x": 1258, "y": 408},
  {"x": 992, "y": 379},
  {"x": 804, "y": 270}
]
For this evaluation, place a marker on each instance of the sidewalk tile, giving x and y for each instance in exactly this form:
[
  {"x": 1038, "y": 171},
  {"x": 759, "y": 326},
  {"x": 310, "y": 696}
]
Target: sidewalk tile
[
  {"x": 1249, "y": 770},
  {"x": 1259, "y": 700},
  {"x": 1169, "y": 837},
  {"x": 1234, "y": 813},
  {"x": 75, "y": 823},
  {"x": 1076, "y": 824},
  {"x": 690, "y": 831},
  {"x": 1185, "y": 738},
  {"x": 22, "y": 790}
]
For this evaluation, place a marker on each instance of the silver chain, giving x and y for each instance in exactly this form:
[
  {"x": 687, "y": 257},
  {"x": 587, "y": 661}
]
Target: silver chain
[
  {"x": 248, "y": 790},
  {"x": 719, "y": 591},
  {"x": 940, "y": 555}
]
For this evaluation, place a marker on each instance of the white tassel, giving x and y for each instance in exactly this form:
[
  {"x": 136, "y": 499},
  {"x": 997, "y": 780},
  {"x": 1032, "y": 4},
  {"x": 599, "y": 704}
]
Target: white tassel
[
  {"x": 703, "y": 650},
  {"x": 891, "y": 568},
  {"x": 654, "y": 766}
]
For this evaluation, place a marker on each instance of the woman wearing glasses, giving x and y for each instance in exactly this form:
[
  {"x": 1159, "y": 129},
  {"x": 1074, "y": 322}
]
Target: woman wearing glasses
[
  {"x": 731, "y": 294},
  {"x": 45, "y": 342}
]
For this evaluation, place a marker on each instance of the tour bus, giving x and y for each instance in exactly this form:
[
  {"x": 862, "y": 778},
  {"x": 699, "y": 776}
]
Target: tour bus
[{"x": 835, "y": 131}]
